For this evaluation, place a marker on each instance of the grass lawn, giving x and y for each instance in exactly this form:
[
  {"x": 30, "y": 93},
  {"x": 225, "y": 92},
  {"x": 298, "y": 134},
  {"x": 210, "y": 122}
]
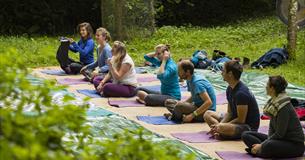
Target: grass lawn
[{"x": 250, "y": 38}]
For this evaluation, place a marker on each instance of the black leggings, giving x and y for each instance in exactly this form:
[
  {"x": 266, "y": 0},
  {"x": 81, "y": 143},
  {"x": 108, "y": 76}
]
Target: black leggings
[
  {"x": 273, "y": 148},
  {"x": 67, "y": 64}
]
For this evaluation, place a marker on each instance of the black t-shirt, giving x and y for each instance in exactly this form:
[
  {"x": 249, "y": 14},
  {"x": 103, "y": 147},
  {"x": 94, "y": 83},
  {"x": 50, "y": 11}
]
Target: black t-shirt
[{"x": 241, "y": 95}]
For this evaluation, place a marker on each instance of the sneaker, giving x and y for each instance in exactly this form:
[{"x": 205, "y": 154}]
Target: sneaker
[{"x": 63, "y": 39}]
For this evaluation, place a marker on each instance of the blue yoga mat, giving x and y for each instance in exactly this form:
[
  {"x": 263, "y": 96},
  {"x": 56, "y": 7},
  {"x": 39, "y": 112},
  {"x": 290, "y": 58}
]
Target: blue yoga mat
[
  {"x": 156, "y": 120},
  {"x": 54, "y": 72},
  {"x": 89, "y": 93},
  {"x": 98, "y": 112}
]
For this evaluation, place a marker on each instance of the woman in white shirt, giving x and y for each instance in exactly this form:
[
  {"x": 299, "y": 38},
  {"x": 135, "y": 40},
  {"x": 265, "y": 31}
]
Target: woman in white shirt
[{"x": 121, "y": 80}]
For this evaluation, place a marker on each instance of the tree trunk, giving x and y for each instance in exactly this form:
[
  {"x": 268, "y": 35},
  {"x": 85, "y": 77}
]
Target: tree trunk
[
  {"x": 118, "y": 19},
  {"x": 151, "y": 8},
  {"x": 103, "y": 13},
  {"x": 292, "y": 29}
]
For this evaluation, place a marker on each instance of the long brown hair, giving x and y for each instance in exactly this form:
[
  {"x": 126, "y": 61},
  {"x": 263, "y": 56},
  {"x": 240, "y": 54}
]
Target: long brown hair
[
  {"x": 87, "y": 27},
  {"x": 121, "y": 53}
]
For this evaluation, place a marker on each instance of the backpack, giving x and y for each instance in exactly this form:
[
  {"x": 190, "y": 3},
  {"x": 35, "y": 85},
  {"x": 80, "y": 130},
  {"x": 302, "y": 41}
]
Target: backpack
[{"x": 200, "y": 59}]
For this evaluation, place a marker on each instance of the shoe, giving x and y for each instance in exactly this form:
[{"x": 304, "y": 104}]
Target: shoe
[
  {"x": 63, "y": 39},
  {"x": 246, "y": 62}
]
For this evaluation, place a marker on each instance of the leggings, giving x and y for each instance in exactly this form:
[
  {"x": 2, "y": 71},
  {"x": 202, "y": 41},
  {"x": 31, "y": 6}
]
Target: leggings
[
  {"x": 118, "y": 90},
  {"x": 273, "y": 148},
  {"x": 154, "y": 98},
  {"x": 67, "y": 64},
  {"x": 180, "y": 109}
]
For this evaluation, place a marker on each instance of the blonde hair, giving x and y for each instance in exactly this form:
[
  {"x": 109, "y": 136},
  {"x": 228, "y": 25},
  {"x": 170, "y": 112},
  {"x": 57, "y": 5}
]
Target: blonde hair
[
  {"x": 104, "y": 33},
  {"x": 162, "y": 47},
  {"x": 121, "y": 53}
]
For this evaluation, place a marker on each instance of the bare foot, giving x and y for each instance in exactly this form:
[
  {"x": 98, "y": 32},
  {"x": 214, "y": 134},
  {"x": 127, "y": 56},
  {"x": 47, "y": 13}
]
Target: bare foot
[{"x": 140, "y": 100}]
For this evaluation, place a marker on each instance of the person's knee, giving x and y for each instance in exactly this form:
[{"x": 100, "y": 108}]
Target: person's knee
[
  {"x": 207, "y": 115},
  {"x": 245, "y": 135},
  {"x": 141, "y": 94},
  {"x": 107, "y": 90}
]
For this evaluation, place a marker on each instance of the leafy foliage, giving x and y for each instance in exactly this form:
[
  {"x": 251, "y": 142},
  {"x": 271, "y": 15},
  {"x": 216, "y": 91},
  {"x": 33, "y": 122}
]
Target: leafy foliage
[{"x": 33, "y": 126}]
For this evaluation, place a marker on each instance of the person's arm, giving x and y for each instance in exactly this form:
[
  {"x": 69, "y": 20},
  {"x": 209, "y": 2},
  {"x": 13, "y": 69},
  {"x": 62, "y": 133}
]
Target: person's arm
[
  {"x": 86, "y": 50},
  {"x": 91, "y": 65},
  {"x": 118, "y": 74},
  {"x": 151, "y": 57},
  {"x": 107, "y": 55},
  {"x": 282, "y": 123},
  {"x": 207, "y": 102},
  {"x": 242, "y": 111},
  {"x": 227, "y": 117}
]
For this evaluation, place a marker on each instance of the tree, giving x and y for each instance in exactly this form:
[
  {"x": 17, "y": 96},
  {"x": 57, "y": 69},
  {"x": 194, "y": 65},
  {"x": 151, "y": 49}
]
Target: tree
[{"x": 292, "y": 29}]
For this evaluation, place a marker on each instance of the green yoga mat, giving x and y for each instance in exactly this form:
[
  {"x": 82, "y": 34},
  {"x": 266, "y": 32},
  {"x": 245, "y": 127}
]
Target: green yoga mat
[{"x": 255, "y": 81}]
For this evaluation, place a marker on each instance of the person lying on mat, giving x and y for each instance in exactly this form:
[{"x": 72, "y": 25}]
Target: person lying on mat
[
  {"x": 85, "y": 48},
  {"x": 168, "y": 76},
  {"x": 103, "y": 53},
  {"x": 121, "y": 71},
  {"x": 202, "y": 96},
  {"x": 285, "y": 138},
  {"x": 242, "y": 111}
]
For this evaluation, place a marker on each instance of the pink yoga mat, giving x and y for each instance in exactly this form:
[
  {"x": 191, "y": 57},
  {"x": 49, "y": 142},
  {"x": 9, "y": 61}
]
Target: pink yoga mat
[
  {"x": 231, "y": 155},
  {"x": 147, "y": 79},
  {"x": 195, "y": 137},
  {"x": 125, "y": 103},
  {"x": 71, "y": 81},
  {"x": 221, "y": 98}
]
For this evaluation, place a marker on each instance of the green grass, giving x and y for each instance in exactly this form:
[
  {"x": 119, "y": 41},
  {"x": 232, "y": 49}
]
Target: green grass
[{"x": 250, "y": 38}]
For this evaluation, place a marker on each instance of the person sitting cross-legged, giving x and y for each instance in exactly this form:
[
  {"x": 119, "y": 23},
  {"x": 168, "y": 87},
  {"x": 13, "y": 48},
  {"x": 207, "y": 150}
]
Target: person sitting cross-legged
[
  {"x": 242, "y": 113},
  {"x": 202, "y": 96},
  {"x": 285, "y": 138},
  {"x": 168, "y": 76}
]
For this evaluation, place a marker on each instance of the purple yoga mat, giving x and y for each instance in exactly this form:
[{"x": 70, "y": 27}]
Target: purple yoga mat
[
  {"x": 125, "y": 103},
  {"x": 147, "y": 79},
  {"x": 221, "y": 98},
  {"x": 195, "y": 137},
  {"x": 231, "y": 155},
  {"x": 71, "y": 81}
]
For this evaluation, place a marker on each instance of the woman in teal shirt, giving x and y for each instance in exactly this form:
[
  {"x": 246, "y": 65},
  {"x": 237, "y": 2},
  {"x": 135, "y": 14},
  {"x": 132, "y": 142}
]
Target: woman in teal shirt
[{"x": 168, "y": 76}]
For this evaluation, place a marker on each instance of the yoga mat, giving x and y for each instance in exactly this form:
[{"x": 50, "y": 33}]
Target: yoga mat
[
  {"x": 89, "y": 93},
  {"x": 195, "y": 137},
  {"x": 54, "y": 72},
  {"x": 231, "y": 155},
  {"x": 71, "y": 81},
  {"x": 124, "y": 103},
  {"x": 158, "y": 88},
  {"x": 221, "y": 98},
  {"x": 156, "y": 120},
  {"x": 147, "y": 79},
  {"x": 98, "y": 112}
]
